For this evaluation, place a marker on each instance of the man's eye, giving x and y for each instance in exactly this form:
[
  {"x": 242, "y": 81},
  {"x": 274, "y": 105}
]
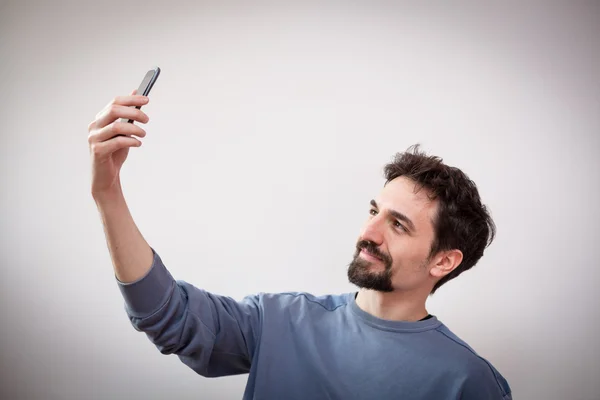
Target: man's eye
[
  {"x": 373, "y": 212},
  {"x": 399, "y": 225}
]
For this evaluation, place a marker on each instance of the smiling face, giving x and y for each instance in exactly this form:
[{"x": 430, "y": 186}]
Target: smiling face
[{"x": 393, "y": 250}]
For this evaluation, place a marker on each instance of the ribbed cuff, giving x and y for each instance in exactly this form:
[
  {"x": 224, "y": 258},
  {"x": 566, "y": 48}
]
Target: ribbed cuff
[{"x": 146, "y": 295}]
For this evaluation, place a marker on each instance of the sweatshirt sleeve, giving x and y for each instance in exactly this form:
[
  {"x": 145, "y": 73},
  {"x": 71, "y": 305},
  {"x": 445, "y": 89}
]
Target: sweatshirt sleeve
[
  {"x": 485, "y": 383},
  {"x": 213, "y": 335}
]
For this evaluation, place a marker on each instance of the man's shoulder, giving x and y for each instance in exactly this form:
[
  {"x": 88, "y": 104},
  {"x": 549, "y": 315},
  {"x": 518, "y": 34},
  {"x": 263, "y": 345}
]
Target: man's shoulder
[
  {"x": 328, "y": 302},
  {"x": 476, "y": 369}
]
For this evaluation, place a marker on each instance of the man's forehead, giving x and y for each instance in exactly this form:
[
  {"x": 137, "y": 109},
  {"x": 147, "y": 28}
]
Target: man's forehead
[{"x": 403, "y": 194}]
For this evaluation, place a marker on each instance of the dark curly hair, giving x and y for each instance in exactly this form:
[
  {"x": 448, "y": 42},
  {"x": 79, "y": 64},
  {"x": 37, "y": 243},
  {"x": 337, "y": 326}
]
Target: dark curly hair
[{"x": 462, "y": 221}]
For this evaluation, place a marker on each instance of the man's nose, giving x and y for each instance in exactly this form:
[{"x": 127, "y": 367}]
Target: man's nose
[{"x": 373, "y": 230}]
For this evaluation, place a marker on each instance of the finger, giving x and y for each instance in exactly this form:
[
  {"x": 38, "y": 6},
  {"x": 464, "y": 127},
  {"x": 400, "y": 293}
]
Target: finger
[
  {"x": 112, "y": 113},
  {"x": 133, "y": 92},
  {"x": 116, "y": 129},
  {"x": 102, "y": 150},
  {"x": 131, "y": 100}
]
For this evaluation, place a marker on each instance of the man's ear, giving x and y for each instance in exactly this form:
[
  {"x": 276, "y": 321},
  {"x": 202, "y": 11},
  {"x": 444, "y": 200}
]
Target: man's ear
[{"x": 446, "y": 262}]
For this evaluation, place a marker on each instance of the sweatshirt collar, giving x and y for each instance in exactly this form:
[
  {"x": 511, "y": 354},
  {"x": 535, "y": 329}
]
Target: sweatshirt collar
[{"x": 397, "y": 326}]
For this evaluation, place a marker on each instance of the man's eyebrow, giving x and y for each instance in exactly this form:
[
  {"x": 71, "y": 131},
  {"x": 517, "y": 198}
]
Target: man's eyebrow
[{"x": 398, "y": 215}]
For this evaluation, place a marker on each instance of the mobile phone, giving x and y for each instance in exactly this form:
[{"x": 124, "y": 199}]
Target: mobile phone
[{"x": 145, "y": 87}]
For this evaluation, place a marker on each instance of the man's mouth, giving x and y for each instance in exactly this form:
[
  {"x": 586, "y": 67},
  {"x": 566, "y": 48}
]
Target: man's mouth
[{"x": 370, "y": 255}]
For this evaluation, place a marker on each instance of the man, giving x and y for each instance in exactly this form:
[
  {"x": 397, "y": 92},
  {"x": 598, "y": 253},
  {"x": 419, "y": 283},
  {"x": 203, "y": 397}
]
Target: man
[{"x": 426, "y": 227}]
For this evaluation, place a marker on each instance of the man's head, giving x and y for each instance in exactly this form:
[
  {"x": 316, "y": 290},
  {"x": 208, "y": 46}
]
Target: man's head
[{"x": 427, "y": 226}]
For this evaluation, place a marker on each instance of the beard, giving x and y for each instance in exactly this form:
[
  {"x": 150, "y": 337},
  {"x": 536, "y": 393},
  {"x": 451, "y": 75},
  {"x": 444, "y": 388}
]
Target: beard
[{"x": 359, "y": 272}]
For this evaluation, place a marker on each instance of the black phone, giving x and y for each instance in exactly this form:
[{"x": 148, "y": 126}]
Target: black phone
[{"x": 146, "y": 86}]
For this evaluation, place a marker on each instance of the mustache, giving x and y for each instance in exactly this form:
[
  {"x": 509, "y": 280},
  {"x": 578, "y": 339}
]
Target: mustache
[{"x": 371, "y": 248}]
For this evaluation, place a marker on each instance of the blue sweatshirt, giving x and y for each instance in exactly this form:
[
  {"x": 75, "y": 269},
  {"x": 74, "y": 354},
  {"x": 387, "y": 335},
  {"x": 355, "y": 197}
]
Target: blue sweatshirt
[{"x": 300, "y": 346}]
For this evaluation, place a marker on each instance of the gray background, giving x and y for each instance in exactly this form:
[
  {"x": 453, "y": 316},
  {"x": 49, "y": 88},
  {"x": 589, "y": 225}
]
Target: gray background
[{"x": 269, "y": 128}]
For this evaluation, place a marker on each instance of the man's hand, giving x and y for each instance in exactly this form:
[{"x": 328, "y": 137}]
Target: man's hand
[{"x": 110, "y": 139}]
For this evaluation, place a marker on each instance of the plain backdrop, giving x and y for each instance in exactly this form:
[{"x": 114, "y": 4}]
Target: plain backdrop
[{"x": 269, "y": 128}]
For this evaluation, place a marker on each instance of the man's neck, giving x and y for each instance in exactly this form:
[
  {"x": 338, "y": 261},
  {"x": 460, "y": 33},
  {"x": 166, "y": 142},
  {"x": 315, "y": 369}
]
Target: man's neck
[{"x": 394, "y": 306}]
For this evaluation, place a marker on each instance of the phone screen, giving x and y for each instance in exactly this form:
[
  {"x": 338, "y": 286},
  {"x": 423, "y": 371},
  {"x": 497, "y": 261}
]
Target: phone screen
[{"x": 144, "y": 88}]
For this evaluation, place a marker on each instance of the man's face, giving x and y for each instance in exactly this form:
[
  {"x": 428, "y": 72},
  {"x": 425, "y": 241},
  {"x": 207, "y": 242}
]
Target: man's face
[{"x": 393, "y": 249}]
